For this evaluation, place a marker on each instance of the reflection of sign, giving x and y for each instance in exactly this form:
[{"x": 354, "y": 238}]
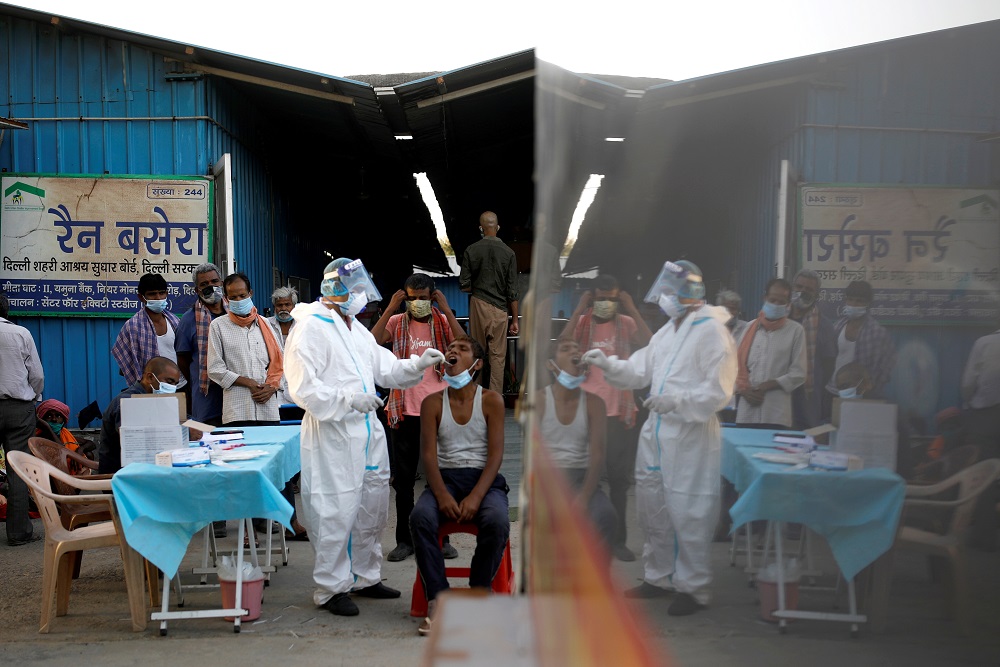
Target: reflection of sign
[
  {"x": 931, "y": 254},
  {"x": 78, "y": 245}
]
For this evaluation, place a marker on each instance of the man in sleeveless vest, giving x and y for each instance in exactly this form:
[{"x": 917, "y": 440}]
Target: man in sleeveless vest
[{"x": 461, "y": 446}]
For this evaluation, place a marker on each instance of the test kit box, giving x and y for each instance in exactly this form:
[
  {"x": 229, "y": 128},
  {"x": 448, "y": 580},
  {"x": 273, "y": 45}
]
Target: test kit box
[{"x": 149, "y": 426}]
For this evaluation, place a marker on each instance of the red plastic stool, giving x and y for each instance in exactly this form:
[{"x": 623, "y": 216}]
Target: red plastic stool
[{"x": 503, "y": 581}]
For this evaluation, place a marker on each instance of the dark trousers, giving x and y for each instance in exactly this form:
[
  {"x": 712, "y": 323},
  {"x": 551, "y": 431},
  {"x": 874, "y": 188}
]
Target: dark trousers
[
  {"x": 17, "y": 424},
  {"x": 492, "y": 521},
  {"x": 599, "y": 509},
  {"x": 620, "y": 464},
  {"x": 405, "y": 455}
]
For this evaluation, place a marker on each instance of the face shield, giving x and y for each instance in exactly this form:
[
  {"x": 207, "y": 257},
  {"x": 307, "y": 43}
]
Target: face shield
[
  {"x": 682, "y": 278},
  {"x": 353, "y": 279}
]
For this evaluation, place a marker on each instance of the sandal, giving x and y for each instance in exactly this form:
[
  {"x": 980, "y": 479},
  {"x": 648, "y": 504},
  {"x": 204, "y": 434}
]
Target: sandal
[{"x": 296, "y": 537}]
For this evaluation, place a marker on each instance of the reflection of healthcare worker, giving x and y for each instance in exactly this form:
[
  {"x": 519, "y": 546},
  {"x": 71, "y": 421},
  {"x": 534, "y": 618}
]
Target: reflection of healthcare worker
[
  {"x": 332, "y": 364},
  {"x": 690, "y": 366}
]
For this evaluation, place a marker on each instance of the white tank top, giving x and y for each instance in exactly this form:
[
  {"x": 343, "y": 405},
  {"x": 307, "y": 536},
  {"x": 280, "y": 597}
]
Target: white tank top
[
  {"x": 568, "y": 444},
  {"x": 462, "y": 445}
]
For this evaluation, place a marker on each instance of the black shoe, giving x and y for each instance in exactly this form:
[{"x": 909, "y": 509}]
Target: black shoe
[
  {"x": 379, "y": 591},
  {"x": 449, "y": 551},
  {"x": 401, "y": 552},
  {"x": 623, "y": 553},
  {"x": 219, "y": 528},
  {"x": 684, "y": 605},
  {"x": 341, "y": 604},
  {"x": 20, "y": 541},
  {"x": 648, "y": 591}
]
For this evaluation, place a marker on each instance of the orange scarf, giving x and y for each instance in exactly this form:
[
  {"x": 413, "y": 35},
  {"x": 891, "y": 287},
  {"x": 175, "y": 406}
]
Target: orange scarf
[
  {"x": 743, "y": 353},
  {"x": 276, "y": 367}
]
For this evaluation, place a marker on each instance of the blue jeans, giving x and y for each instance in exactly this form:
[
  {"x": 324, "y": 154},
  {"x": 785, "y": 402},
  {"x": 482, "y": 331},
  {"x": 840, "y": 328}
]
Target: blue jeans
[{"x": 492, "y": 520}]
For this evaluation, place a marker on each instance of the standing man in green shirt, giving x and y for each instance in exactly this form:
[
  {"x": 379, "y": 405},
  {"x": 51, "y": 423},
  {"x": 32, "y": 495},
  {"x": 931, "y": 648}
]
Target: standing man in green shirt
[{"x": 489, "y": 272}]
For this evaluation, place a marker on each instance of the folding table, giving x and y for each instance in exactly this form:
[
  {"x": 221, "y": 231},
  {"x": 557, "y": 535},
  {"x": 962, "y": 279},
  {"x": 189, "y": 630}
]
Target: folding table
[
  {"x": 162, "y": 508},
  {"x": 857, "y": 512}
]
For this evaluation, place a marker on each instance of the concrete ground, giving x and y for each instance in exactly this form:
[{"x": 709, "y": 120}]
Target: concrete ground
[{"x": 292, "y": 631}]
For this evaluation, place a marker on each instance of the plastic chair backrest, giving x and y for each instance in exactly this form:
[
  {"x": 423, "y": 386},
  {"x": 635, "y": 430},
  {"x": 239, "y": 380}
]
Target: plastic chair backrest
[
  {"x": 35, "y": 473},
  {"x": 971, "y": 482},
  {"x": 54, "y": 454}
]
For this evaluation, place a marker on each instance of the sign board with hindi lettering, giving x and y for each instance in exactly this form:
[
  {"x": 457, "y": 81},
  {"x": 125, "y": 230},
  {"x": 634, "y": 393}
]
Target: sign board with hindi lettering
[
  {"x": 77, "y": 245},
  {"x": 932, "y": 255}
]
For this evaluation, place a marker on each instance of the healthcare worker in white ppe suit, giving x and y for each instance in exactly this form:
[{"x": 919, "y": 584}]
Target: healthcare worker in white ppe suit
[
  {"x": 332, "y": 364},
  {"x": 690, "y": 368}
]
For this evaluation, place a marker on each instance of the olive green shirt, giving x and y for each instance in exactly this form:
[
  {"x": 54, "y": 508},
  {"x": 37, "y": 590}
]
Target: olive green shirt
[{"x": 489, "y": 268}]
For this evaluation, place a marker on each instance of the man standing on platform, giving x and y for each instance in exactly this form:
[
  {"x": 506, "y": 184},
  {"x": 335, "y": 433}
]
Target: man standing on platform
[{"x": 489, "y": 273}]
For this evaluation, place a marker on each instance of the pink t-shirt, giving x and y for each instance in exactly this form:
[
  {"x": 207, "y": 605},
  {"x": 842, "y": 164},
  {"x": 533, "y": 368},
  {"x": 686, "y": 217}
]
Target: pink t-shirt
[
  {"x": 603, "y": 338},
  {"x": 420, "y": 340}
]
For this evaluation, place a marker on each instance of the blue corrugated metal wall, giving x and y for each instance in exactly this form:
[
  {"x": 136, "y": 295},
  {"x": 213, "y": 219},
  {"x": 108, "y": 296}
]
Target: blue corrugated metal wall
[
  {"x": 46, "y": 74},
  {"x": 909, "y": 116}
]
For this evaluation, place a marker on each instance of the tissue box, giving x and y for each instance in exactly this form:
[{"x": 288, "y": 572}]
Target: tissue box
[{"x": 191, "y": 456}]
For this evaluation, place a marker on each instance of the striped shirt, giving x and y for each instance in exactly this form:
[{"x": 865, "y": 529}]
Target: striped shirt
[{"x": 234, "y": 351}]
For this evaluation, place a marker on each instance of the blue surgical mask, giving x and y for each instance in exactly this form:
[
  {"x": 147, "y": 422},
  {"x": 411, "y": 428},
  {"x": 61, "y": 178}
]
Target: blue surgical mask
[
  {"x": 571, "y": 382},
  {"x": 855, "y": 312},
  {"x": 773, "y": 311},
  {"x": 165, "y": 387},
  {"x": 55, "y": 426},
  {"x": 458, "y": 381},
  {"x": 241, "y": 307},
  {"x": 156, "y": 305},
  {"x": 850, "y": 392},
  {"x": 283, "y": 316}
]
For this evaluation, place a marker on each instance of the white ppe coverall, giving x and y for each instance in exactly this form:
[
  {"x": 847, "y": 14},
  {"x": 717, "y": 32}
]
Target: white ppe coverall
[
  {"x": 678, "y": 463},
  {"x": 345, "y": 461}
]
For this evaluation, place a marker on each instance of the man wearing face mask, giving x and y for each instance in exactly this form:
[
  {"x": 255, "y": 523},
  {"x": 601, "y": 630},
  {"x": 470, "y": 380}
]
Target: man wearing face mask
[
  {"x": 159, "y": 376},
  {"x": 573, "y": 427},
  {"x": 810, "y": 403},
  {"x": 461, "y": 446},
  {"x": 690, "y": 368},
  {"x": 149, "y": 333},
  {"x": 245, "y": 359},
  {"x": 607, "y": 319},
  {"x": 772, "y": 361},
  {"x": 332, "y": 366},
  {"x": 192, "y": 344},
  {"x": 283, "y": 300},
  {"x": 860, "y": 338},
  {"x": 424, "y": 325}
]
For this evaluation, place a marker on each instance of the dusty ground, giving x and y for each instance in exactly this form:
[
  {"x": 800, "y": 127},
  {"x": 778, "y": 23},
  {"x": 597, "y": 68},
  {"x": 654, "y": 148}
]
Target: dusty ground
[{"x": 292, "y": 631}]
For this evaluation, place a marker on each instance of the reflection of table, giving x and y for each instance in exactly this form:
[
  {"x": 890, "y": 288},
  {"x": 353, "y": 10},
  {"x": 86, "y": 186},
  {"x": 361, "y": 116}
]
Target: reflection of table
[
  {"x": 857, "y": 512},
  {"x": 162, "y": 508}
]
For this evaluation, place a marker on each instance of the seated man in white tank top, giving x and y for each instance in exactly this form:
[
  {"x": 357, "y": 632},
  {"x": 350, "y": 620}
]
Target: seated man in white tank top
[
  {"x": 573, "y": 430},
  {"x": 461, "y": 446}
]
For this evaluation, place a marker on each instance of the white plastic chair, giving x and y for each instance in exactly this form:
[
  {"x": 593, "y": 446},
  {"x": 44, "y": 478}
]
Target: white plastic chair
[{"x": 954, "y": 516}]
